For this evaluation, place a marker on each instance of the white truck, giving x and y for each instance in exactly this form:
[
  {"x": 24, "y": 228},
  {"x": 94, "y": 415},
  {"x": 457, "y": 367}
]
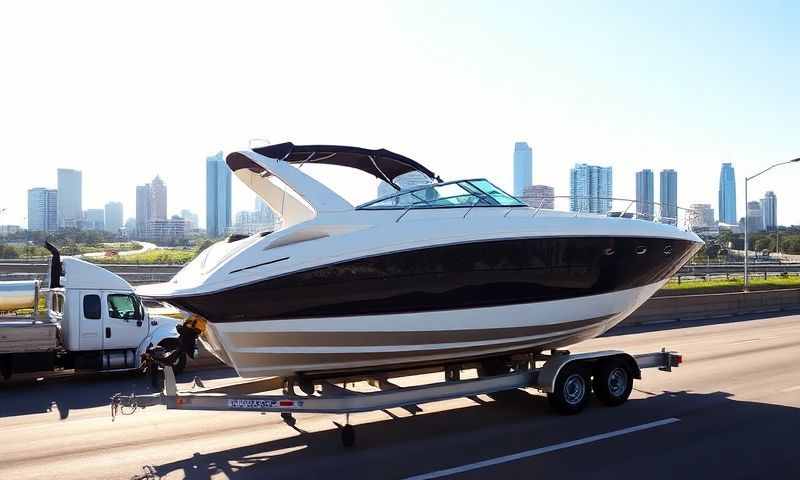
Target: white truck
[{"x": 93, "y": 321}]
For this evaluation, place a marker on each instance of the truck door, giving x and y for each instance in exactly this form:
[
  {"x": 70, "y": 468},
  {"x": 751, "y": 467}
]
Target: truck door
[
  {"x": 124, "y": 324},
  {"x": 90, "y": 324}
]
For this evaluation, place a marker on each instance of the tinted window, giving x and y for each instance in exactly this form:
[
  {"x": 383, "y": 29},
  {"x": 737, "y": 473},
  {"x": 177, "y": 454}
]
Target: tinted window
[
  {"x": 125, "y": 307},
  {"x": 91, "y": 307}
]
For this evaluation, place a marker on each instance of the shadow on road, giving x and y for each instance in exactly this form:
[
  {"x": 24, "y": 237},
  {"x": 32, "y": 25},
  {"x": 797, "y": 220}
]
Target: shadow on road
[
  {"x": 63, "y": 392},
  {"x": 515, "y": 421}
]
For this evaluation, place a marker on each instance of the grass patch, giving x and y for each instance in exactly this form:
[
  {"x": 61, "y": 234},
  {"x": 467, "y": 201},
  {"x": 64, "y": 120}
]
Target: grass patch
[
  {"x": 152, "y": 257},
  {"x": 118, "y": 246},
  {"x": 696, "y": 286}
]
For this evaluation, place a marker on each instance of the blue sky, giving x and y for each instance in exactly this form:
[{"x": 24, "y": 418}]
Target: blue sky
[{"x": 127, "y": 92}]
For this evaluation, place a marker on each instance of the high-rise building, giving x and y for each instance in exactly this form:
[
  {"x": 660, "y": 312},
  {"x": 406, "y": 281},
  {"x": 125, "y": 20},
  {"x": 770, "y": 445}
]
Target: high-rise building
[
  {"x": 158, "y": 199},
  {"x": 523, "y": 167},
  {"x": 404, "y": 181},
  {"x": 42, "y": 210},
  {"x": 590, "y": 188},
  {"x": 755, "y": 218},
  {"x": 94, "y": 219},
  {"x": 668, "y": 193},
  {"x": 142, "y": 208},
  {"x": 644, "y": 194},
  {"x": 769, "y": 211},
  {"x": 113, "y": 216},
  {"x": 191, "y": 219},
  {"x": 539, "y": 196},
  {"x": 703, "y": 215},
  {"x": 70, "y": 209},
  {"x": 727, "y": 195},
  {"x": 218, "y": 195}
]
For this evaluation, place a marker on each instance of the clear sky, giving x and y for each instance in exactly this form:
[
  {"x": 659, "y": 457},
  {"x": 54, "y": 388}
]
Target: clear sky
[{"x": 125, "y": 92}]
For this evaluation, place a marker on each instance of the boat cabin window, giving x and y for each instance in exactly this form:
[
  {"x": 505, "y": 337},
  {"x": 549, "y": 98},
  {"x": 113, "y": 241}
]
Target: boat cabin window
[
  {"x": 124, "y": 307},
  {"x": 463, "y": 193}
]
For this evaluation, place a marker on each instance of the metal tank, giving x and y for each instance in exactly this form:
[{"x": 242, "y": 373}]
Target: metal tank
[{"x": 18, "y": 294}]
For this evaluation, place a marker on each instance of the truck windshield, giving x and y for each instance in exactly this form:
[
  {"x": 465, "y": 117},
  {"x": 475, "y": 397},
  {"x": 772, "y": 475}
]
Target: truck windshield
[{"x": 125, "y": 307}]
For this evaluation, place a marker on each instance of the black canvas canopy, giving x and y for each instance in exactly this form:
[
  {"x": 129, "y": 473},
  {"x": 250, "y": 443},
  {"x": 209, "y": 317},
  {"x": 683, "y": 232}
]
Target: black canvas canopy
[{"x": 381, "y": 163}]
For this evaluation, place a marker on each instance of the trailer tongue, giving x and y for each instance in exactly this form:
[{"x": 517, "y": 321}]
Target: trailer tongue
[{"x": 566, "y": 378}]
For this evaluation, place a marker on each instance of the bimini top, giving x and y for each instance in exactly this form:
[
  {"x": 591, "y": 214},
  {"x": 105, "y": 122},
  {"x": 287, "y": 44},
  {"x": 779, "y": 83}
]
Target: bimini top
[{"x": 381, "y": 163}]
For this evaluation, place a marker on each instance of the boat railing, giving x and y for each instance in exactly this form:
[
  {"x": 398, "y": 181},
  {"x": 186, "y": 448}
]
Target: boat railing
[{"x": 669, "y": 214}]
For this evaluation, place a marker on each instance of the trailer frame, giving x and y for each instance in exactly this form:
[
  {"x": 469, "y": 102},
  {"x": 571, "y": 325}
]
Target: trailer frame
[{"x": 332, "y": 395}]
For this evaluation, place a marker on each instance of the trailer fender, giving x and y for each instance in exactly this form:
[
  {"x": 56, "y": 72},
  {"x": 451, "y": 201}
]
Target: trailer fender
[{"x": 548, "y": 374}]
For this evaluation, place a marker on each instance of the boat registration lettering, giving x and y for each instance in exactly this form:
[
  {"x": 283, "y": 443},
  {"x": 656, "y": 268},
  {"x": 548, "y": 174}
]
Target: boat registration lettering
[{"x": 260, "y": 403}]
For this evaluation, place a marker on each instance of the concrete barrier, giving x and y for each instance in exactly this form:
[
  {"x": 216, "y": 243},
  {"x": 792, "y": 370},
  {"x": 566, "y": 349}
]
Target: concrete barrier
[{"x": 716, "y": 305}]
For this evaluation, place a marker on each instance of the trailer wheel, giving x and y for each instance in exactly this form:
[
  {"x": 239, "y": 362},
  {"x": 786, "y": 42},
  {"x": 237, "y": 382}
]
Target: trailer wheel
[
  {"x": 613, "y": 382},
  {"x": 348, "y": 435},
  {"x": 572, "y": 390}
]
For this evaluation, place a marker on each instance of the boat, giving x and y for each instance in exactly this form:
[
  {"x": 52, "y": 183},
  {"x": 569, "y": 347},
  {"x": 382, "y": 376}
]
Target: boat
[{"x": 438, "y": 272}]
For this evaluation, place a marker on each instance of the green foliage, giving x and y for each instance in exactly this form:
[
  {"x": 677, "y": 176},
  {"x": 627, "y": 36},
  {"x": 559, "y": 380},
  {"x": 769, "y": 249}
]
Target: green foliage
[
  {"x": 159, "y": 256},
  {"x": 734, "y": 284}
]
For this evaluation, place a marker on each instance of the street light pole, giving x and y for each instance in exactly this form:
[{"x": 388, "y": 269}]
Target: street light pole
[{"x": 746, "y": 226}]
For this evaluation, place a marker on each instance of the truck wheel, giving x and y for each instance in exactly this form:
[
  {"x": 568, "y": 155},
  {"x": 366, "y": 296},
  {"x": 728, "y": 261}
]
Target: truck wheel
[
  {"x": 613, "y": 382},
  {"x": 572, "y": 390}
]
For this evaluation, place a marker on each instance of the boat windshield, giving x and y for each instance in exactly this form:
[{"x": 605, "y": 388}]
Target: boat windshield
[{"x": 462, "y": 193}]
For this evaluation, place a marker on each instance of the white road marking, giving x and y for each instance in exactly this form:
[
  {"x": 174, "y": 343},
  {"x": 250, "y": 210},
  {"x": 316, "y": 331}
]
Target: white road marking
[
  {"x": 539, "y": 451},
  {"x": 791, "y": 389}
]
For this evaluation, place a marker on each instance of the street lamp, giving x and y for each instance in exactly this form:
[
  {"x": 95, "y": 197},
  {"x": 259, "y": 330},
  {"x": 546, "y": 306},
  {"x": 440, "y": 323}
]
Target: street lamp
[{"x": 746, "y": 220}]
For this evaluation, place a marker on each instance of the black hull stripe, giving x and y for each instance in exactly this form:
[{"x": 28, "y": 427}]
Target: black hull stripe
[
  {"x": 354, "y": 339},
  {"x": 459, "y": 276}
]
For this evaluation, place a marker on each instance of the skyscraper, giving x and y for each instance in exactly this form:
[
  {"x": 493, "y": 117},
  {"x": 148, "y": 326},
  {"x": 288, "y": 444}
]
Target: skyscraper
[
  {"x": 142, "y": 208},
  {"x": 755, "y": 218},
  {"x": 158, "y": 199},
  {"x": 538, "y": 196},
  {"x": 769, "y": 211},
  {"x": 218, "y": 195},
  {"x": 191, "y": 219},
  {"x": 94, "y": 219},
  {"x": 590, "y": 188},
  {"x": 644, "y": 194},
  {"x": 727, "y": 195},
  {"x": 113, "y": 216},
  {"x": 42, "y": 210},
  {"x": 703, "y": 215},
  {"x": 523, "y": 167},
  {"x": 668, "y": 193},
  {"x": 70, "y": 209}
]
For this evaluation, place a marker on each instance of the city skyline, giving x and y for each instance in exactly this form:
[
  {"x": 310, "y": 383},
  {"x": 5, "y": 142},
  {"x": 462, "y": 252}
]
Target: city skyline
[{"x": 578, "y": 95}]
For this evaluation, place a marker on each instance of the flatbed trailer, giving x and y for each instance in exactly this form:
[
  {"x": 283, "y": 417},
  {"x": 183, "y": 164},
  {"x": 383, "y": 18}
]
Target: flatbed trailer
[{"x": 567, "y": 379}]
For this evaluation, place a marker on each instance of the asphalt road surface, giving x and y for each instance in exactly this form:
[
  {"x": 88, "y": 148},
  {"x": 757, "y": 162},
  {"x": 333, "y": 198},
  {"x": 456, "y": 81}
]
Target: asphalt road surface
[{"x": 731, "y": 411}]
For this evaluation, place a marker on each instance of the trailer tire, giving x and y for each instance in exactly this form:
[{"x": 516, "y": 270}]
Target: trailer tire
[
  {"x": 613, "y": 382},
  {"x": 572, "y": 389}
]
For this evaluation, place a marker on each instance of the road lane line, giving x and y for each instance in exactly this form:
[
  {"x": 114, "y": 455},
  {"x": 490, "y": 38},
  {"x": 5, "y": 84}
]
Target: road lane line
[{"x": 538, "y": 451}]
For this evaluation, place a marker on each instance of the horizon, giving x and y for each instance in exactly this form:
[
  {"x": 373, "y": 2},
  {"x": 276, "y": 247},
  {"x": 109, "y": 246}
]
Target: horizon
[{"x": 452, "y": 86}]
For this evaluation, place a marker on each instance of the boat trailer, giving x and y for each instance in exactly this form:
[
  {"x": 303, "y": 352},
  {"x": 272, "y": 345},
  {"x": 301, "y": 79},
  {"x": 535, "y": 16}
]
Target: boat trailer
[{"x": 567, "y": 379}]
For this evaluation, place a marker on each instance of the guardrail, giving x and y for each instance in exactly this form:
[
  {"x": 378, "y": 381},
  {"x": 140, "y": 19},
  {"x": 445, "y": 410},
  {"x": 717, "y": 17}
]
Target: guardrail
[{"x": 717, "y": 305}]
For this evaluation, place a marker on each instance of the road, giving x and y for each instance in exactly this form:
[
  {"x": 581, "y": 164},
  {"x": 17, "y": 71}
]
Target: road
[{"x": 731, "y": 411}]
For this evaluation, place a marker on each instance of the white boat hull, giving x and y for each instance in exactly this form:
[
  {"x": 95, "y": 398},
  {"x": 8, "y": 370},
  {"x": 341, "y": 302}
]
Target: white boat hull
[{"x": 338, "y": 344}]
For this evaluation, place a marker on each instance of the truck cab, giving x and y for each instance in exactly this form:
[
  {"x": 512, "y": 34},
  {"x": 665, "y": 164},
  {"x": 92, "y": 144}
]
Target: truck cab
[{"x": 98, "y": 320}]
